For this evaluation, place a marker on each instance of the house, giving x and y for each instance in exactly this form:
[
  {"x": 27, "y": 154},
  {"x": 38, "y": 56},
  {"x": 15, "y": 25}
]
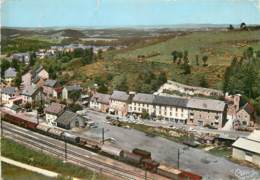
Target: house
[
  {"x": 203, "y": 112},
  {"x": 21, "y": 57},
  {"x": 245, "y": 114},
  {"x": 248, "y": 148},
  {"x": 233, "y": 103},
  {"x": 100, "y": 102},
  {"x": 10, "y": 74},
  {"x": 35, "y": 77},
  {"x": 41, "y": 73},
  {"x": 52, "y": 112},
  {"x": 67, "y": 91},
  {"x": 31, "y": 94},
  {"x": 68, "y": 120},
  {"x": 7, "y": 94},
  {"x": 142, "y": 102},
  {"x": 49, "y": 88},
  {"x": 119, "y": 101}
]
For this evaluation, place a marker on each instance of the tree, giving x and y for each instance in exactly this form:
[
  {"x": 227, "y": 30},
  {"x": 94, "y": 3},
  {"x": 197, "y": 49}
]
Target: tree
[
  {"x": 180, "y": 56},
  {"x": 162, "y": 78},
  {"x": 197, "y": 59},
  {"x": 186, "y": 68},
  {"x": 205, "y": 59},
  {"x": 32, "y": 59},
  {"x": 75, "y": 95},
  {"x": 145, "y": 114},
  {"x": 102, "y": 88},
  {"x": 75, "y": 107},
  {"x": 4, "y": 66},
  {"x": 231, "y": 27},
  {"x": 174, "y": 56},
  {"x": 204, "y": 82},
  {"x": 18, "y": 79},
  {"x": 243, "y": 26}
]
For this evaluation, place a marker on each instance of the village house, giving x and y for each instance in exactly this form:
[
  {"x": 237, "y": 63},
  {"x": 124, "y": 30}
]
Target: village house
[
  {"x": 10, "y": 75},
  {"x": 142, "y": 102},
  {"x": 245, "y": 115},
  {"x": 68, "y": 120},
  {"x": 119, "y": 101},
  {"x": 21, "y": 57},
  {"x": 67, "y": 91},
  {"x": 203, "y": 112},
  {"x": 35, "y": 77},
  {"x": 100, "y": 102},
  {"x": 52, "y": 112},
  {"x": 31, "y": 94},
  {"x": 51, "y": 88},
  {"x": 248, "y": 148},
  {"x": 233, "y": 103},
  {"x": 7, "y": 94}
]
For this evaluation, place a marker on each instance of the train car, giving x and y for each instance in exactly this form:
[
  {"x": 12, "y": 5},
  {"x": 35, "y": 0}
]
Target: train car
[
  {"x": 89, "y": 143},
  {"x": 132, "y": 158},
  {"x": 57, "y": 133},
  {"x": 18, "y": 120},
  {"x": 150, "y": 165},
  {"x": 189, "y": 175},
  {"x": 145, "y": 154},
  {"x": 43, "y": 128},
  {"x": 169, "y": 172},
  {"x": 112, "y": 151},
  {"x": 71, "y": 138}
]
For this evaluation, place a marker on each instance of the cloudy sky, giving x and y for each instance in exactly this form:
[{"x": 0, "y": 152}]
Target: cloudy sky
[{"x": 110, "y": 13}]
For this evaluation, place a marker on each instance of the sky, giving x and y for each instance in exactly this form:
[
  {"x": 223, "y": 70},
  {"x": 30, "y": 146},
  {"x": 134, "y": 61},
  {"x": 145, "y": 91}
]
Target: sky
[{"x": 123, "y": 13}]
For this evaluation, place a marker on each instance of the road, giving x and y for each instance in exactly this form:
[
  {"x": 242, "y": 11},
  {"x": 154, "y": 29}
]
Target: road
[
  {"x": 163, "y": 150},
  {"x": 75, "y": 154}
]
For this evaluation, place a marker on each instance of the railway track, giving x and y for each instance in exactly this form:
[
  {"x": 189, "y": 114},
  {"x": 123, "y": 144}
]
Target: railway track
[{"x": 57, "y": 149}]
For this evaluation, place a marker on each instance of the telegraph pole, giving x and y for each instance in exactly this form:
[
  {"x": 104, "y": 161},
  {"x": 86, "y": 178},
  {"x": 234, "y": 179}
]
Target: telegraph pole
[
  {"x": 103, "y": 135},
  {"x": 178, "y": 159},
  {"x": 65, "y": 150}
]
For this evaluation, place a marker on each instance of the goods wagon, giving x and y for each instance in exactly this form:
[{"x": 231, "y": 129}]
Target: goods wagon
[
  {"x": 112, "y": 151},
  {"x": 89, "y": 143},
  {"x": 55, "y": 132},
  {"x": 145, "y": 154},
  {"x": 150, "y": 165},
  {"x": 20, "y": 121},
  {"x": 131, "y": 158},
  {"x": 169, "y": 171},
  {"x": 43, "y": 128},
  {"x": 71, "y": 138}
]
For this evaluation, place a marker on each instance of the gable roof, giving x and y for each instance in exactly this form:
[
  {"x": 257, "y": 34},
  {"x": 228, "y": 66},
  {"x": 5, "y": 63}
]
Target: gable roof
[
  {"x": 101, "y": 98},
  {"x": 248, "y": 108},
  {"x": 143, "y": 98},
  {"x": 247, "y": 144},
  {"x": 10, "y": 73},
  {"x": 50, "y": 83},
  {"x": 170, "y": 101},
  {"x": 55, "y": 108},
  {"x": 206, "y": 104},
  {"x": 73, "y": 87},
  {"x": 29, "y": 91},
  {"x": 9, "y": 90},
  {"x": 67, "y": 117},
  {"x": 120, "y": 96}
]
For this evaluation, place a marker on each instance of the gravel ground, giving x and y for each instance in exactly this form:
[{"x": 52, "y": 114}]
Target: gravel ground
[{"x": 163, "y": 150}]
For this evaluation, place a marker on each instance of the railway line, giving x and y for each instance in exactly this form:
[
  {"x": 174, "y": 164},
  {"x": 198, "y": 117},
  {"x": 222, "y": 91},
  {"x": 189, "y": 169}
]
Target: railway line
[{"x": 75, "y": 154}]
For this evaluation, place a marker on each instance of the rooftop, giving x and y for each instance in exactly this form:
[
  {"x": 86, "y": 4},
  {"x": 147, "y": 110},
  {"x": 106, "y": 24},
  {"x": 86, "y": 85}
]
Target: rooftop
[
  {"x": 55, "y": 108},
  {"x": 206, "y": 104},
  {"x": 9, "y": 90},
  {"x": 73, "y": 88},
  {"x": 67, "y": 117},
  {"x": 120, "y": 96},
  {"x": 143, "y": 98},
  {"x": 10, "y": 73},
  {"x": 170, "y": 101},
  {"x": 29, "y": 91},
  {"x": 50, "y": 82},
  {"x": 101, "y": 98}
]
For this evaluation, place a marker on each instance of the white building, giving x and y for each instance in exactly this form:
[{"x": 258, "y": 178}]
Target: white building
[
  {"x": 248, "y": 149},
  {"x": 10, "y": 74},
  {"x": 53, "y": 112},
  {"x": 7, "y": 94}
]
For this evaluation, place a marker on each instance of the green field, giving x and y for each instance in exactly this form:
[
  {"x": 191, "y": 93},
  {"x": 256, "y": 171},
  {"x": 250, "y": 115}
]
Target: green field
[
  {"x": 15, "y": 151},
  {"x": 10, "y": 172}
]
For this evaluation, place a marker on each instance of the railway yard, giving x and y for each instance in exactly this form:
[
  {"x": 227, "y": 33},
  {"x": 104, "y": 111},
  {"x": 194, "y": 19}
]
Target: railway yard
[{"x": 122, "y": 146}]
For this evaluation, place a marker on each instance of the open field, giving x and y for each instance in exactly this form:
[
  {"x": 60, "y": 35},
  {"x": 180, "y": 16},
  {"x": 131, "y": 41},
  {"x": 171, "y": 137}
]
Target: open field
[{"x": 23, "y": 154}]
